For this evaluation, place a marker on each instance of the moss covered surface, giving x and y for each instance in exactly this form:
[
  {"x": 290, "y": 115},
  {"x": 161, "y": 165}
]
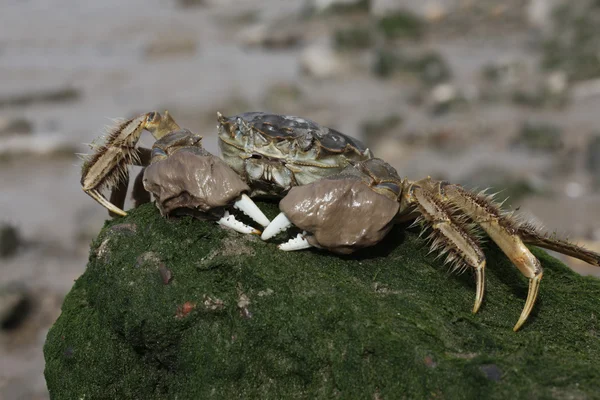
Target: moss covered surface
[{"x": 240, "y": 319}]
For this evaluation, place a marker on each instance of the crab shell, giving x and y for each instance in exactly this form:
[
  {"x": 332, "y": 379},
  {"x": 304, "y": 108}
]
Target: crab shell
[
  {"x": 181, "y": 181},
  {"x": 348, "y": 211},
  {"x": 273, "y": 153}
]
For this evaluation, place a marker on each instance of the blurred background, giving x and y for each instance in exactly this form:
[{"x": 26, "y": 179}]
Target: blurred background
[{"x": 502, "y": 94}]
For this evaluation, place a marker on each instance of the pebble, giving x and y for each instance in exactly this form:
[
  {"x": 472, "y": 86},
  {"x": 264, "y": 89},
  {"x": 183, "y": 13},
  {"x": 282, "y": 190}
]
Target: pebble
[{"x": 320, "y": 62}]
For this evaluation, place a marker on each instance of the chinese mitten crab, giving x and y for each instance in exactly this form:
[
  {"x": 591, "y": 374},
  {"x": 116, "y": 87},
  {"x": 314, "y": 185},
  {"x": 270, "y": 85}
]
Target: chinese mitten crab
[
  {"x": 358, "y": 207},
  {"x": 332, "y": 189}
]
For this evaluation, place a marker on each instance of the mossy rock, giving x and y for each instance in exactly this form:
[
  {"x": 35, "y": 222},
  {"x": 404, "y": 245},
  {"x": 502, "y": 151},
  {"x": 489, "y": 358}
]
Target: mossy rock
[{"x": 183, "y": 309}]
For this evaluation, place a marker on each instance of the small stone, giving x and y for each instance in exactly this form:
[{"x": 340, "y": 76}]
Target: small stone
[
  {"x": 191, "y": 3},
  {"x": 491, "y": 371},
  {"x": 15, "y": 306},
  {"x": 402, "y": 25},
  {"x": 50, "y": 95},
  {"x": 170, "y": 46},
  {"x": 353, "y": 38},
  {"x": 15, "y": 126},
  {"x": 539, "y": 137},
  {"x": 271, "y": 37},
  {"x": 146, "y": 258},
  {"x": 48, "y": 145},
  {"x": 428, "y": 361},
  {"x": 320, "y": 62},
  {"x": 127, "y": 228},
  {"x": 338, "y": 6},
  {"x": 10, "y": 240},
  {"x": 165, "y": 273},
  {"x": 184, "y": 309},
  {"x": 213, "y": 304},
  {"x": 593, "y": 159}
]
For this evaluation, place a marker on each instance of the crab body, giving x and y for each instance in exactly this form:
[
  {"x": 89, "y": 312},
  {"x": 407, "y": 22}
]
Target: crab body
[{"x": 276, "y": 152}]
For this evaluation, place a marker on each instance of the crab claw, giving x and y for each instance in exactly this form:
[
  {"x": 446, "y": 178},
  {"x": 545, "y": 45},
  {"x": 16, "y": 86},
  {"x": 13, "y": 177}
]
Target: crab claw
[
  {"x": 248, "y": 207},
  {"x": 297, "y": 243},
  {"x": 279, "y": 224},
  {"x": 230, "y": 221}
]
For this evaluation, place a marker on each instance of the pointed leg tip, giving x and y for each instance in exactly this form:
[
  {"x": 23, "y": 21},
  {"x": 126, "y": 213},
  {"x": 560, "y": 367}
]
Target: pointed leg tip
[
  {"x": 476, "y": 307},
  {"x": 518, "y": 325}
]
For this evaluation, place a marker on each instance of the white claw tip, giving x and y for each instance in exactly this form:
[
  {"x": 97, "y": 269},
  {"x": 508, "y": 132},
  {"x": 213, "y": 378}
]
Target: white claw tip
[
  {"x": 230, "y": 221},
  {"x": 279, "y": 224},
  {"x": 297, "y": 243},
  {"x": 248, "y": 207}
]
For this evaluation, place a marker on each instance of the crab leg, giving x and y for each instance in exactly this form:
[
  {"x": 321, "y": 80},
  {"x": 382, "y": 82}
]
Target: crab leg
[
  {"x": 531, "y": 235},
  {"x": 108, "y": 166},
  {"x": 248, "y": 207},
  {"x": 449, "y": 236},
  {"x": 140, "y": 195},
  {"x": 229, "y": 221},
  {"x": 501, "y": 230}
]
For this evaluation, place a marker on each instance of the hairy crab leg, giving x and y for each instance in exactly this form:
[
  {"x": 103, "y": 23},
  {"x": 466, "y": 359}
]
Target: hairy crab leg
[
  {"x": 228, "y": 220},
  {"x": 531, "y": 235},
  {"x": 450, "y": 236},
  {"x": 501, "y": 230},
  {"x": 248, "y": 207},
  {"x": 140, "y": 195},
  {"x": 108, "y": 165}
]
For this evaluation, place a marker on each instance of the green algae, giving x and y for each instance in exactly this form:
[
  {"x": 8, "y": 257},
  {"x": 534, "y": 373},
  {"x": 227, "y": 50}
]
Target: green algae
[{"x": 240, "y": 319}]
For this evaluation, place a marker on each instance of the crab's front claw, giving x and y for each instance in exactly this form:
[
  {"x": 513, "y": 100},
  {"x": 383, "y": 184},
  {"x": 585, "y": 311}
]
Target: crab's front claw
[
  {"x": 192, "y": 178},
  {"x": 341, "y": 214}
]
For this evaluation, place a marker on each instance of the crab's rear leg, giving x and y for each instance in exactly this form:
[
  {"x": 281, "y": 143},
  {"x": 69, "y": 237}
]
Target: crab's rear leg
[
  {"x": 532, "y": 235},
  {"x": 503, "y": 232},
  {"x": 107, "y": 167},
  {"x": 449, "y": 235}
]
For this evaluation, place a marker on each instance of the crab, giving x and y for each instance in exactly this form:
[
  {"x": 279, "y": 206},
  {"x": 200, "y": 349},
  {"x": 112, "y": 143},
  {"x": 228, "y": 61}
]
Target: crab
[
  {"x": 182, "y": 176},
  {"x": 359, "y": 206},
  {"x": 331, "y": 187}
]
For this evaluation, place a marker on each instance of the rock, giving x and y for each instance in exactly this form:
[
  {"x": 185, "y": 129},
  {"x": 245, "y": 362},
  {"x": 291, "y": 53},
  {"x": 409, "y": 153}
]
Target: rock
[
  {"x": 574, "y": 43},
  {"x": 353, "y": 38},
  {"x": 402, "y": 25},
  {"x": 49, "y": 95},
  {"x": 337, "y": 6},
  {"x": 275, "y": 37},
  {"x": 39, "y": 144},
  {"x": 270, "y": 324},
  {"x": 374, "y": 129},
  {"x": 320, "y": 61},
  {"x": 430, "y": 10},
  {"x": 166, "y": 46},
  {"x": 429, "y": 67},
  {"x": 282, "y": 97},
  {"x": 15, "y": 126},
  {"x": 593, "y": 159},
  {"x": 191, "y": 3},
  {"x": 540, "y": 137},
  {"x": 15, "y": 306},
  {"x": 10, "y": 240},
  {"x": 539, "y": 13}
]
